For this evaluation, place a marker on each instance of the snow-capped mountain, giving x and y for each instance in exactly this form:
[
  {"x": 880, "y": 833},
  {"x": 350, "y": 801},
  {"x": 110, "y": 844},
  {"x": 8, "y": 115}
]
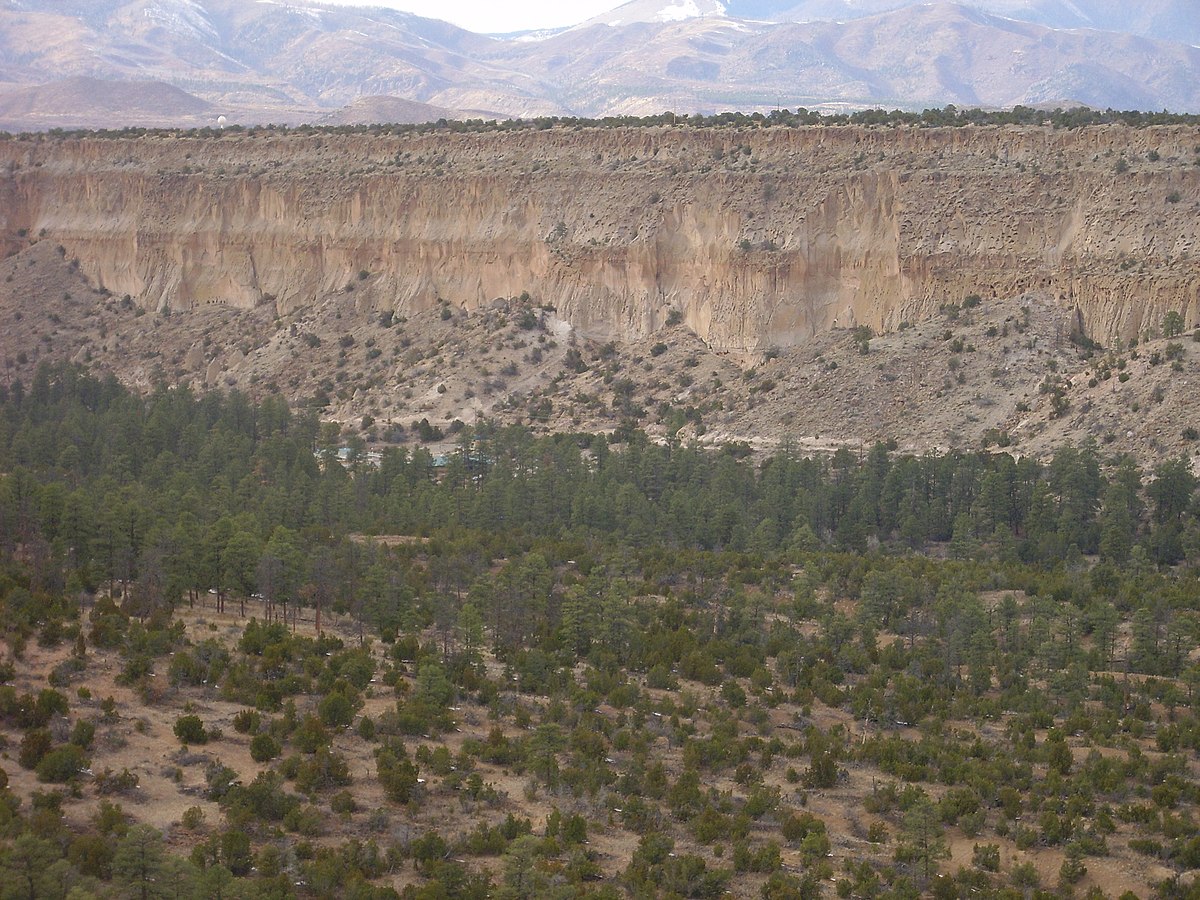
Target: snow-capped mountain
[{"x": 1172, "y": 20}]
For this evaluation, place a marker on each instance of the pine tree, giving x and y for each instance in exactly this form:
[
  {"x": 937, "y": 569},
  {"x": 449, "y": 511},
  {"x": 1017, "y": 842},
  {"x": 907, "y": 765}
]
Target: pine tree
[
  {"x": 138, "y": 861},
  {"x": 922, "y": 839},
  {"x": 23, "y": 867}
]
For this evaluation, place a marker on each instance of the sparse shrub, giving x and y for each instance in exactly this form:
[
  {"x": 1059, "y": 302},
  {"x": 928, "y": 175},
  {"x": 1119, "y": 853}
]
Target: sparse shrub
[
  {"x": 862, "y": 338},
  {"x": 193, "y": 818},
  {"x": 1072, "y": 869},
  {"x": 366, "y": 728},
  {"x": 190, "y": 730},
  {"x": 573, "y": 361},
  {"x": 264, "y": 747},
  {"x": 83, "y": 733},
  {"x": 397, "y": 774},
  {"x": 427, "y": 432},
  {"x": 62, "y": 765},
  {"x": 34, "y": 746},
  {"x": 336, "y": 710},
  {"x": 310, "y": 736},
  {"x": 986, "y": 857},
  {"x": 110, "y": 782}
]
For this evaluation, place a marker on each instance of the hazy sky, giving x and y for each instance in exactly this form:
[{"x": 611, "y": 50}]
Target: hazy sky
[{"x": 493, "y": 16}]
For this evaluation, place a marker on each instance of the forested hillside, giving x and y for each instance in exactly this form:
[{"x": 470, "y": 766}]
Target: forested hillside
[{"x": 243, "y": 657}]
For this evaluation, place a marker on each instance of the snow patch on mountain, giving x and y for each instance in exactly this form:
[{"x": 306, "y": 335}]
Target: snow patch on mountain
[
  {"x": 314, "y": 14},
  {"x": 679, "y": 12},
  {"x": 659, "y": 12},
  {"x": 183, "y": 17}
]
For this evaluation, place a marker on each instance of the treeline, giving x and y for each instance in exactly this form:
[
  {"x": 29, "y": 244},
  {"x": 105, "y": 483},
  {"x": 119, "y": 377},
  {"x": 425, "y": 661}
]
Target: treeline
[
  {"x": 945, "y": 117},
  {"x": 190, "y": 491}
]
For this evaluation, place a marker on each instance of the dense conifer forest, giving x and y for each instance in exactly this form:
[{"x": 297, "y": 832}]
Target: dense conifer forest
[{"x": 856, "y": 675}]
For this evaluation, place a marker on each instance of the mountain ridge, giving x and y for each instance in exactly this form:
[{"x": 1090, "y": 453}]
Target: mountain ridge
[
  {"x": 1173, "y": 20},
  {"x": 304, "y": 61}
]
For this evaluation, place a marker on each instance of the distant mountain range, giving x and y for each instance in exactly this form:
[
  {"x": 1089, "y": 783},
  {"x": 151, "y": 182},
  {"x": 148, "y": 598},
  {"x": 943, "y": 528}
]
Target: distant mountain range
[
  {"x": 1169, "y": 20},
  {"x": 189, "y": 61}
]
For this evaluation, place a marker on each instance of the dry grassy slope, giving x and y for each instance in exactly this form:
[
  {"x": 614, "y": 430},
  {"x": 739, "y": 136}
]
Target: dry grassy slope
[
  {"x": 759, "y": 238},
  {"x": 911, "y": 386}
]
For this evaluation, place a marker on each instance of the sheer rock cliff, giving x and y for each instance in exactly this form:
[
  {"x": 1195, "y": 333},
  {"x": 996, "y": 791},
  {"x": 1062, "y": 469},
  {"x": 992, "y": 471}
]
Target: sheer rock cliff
[{"x": 760, "y": 237}]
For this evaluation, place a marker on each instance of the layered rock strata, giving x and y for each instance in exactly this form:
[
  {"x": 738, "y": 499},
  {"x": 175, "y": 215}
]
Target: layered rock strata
[{"x": 758, "y": 238}]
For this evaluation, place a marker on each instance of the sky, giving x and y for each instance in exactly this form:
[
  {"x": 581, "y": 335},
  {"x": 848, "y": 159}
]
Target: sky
[{"x": 492, "y": 16}]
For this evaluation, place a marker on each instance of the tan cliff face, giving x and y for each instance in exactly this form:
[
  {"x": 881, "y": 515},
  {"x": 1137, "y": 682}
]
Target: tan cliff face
[{"x": 761, "y": 237}]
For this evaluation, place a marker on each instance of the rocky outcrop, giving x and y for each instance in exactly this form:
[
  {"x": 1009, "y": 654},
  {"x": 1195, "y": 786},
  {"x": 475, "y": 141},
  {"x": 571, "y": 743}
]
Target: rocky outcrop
[{"x": 758, "y": 237}]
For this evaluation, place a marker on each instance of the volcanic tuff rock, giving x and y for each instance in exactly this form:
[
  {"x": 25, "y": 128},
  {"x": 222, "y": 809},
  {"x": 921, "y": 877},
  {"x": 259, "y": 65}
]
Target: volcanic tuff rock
[{"x": 760, "y": 237}]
